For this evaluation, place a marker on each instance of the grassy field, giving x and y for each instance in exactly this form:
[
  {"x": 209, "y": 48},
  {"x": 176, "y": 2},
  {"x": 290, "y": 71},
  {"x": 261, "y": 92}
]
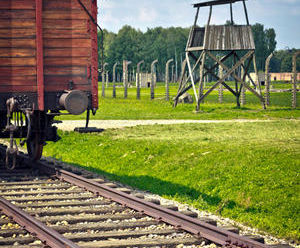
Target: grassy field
[
  {"x": 120, "y": 108},
  {"x": 245, "y": 171}
]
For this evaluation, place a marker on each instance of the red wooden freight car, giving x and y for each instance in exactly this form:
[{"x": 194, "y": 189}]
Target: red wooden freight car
[{"x": 48, "y": 63}]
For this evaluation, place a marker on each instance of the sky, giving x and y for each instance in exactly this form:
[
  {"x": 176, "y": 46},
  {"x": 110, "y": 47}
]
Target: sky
[{"x": 282, "y": 15}]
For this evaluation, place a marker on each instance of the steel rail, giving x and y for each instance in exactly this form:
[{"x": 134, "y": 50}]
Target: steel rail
[
  {"x": 192, "y": 225},
  {"x": 48, "y": 235}
]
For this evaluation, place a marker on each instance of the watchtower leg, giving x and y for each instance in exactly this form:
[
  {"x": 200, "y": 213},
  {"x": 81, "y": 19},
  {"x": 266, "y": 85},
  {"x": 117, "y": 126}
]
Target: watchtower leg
[
  {"x": 237, "y": 85},
  {"x": 201, "y": 88},
  {"x": 243, "y": 89}
]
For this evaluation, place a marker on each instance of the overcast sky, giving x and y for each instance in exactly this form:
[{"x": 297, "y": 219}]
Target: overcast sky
[{"x": 282, "y": 15}]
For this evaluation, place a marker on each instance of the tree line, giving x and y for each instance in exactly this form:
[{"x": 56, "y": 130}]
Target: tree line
[{"x": 166, "y": 43}]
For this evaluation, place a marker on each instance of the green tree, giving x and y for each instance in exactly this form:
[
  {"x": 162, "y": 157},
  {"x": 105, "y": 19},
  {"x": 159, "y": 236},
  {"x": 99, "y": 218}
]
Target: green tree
[
  {"x": 282, "y": 61},
  {"x": 166, "y": 43},
  {"x": 270, "y": 39},
  {"x": 125, "y": 46},
  {"x": 265, "y": 43}
]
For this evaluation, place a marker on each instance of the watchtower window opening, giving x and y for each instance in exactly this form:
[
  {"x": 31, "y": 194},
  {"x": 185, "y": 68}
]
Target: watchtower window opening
[{"x": 196, "y": 38}]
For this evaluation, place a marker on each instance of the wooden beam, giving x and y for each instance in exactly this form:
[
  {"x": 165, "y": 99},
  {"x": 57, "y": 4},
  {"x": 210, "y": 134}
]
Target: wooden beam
[
  {"x": 231, "y": 14},
  {"x": 191, "y": 74},
  {"x": 216, "y": 2},
  {"x": 209, "y": 16},
  {"x": 229, "y": 72},
  {"x": 183, "y": 89},
  {"x": 196, "y": 17},
  {"x": 248, "y": 55},
  {"x": 201, "y": 88},
  {"x": 247, "y": 70},
  {"x": 246, "y": 13},
  {"x": 40, "y": 54},
  {"x": 218, "y": 78}
]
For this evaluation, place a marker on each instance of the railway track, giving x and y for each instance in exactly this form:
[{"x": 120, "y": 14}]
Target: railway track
[{"x": 47, "y": 205}]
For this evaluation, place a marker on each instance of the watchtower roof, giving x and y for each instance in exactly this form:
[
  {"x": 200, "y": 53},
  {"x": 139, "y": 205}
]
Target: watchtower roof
[{"x": 215, "y": 2}]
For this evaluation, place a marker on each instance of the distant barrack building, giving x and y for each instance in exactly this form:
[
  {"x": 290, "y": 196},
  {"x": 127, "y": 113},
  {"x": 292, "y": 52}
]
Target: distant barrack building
[
  {"x": 275, "y": 76},
  {"x": 283, "y": 76},
  {"x": 145, "y": 80}
]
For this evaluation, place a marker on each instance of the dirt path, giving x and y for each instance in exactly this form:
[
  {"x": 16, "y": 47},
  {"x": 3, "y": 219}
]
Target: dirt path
[{"x": 107, "y": 124}]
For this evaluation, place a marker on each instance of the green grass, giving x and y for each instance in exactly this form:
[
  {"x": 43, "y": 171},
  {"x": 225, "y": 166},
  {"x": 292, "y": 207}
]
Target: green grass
[
  {"x": 120, "y": 108},
  {"x": 245, "y": 171}
]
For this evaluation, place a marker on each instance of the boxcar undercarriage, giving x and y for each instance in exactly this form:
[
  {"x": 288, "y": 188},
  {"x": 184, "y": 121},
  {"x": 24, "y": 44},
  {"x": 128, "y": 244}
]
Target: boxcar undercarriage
[
  {"x": 48, "y": 64},
  {"x": 34, "y": 127}
]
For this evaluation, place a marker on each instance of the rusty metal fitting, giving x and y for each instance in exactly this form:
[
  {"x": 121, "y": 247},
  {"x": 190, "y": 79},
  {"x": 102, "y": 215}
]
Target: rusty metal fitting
[
  {"x": 11, "y": 105},
  {"x": 75, "y": 102}
]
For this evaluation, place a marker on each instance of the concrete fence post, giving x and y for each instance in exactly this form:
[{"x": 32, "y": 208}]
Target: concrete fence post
[
  {"x": 167, "y": 79},
  {"x": 173, "y": 75},
  {"x": 133, "y": 76},
  {"x": 114, "y": 80},
  {"x": 107, "y": 79},
  {"x": 267, "y": 80},
  {"x": 153, "y": 77},
  {"x": 125, "y": 77},
  {"x": 243, "y": 89},
  {"x": 103, "y": 79},
  {"x": 295, "y": 77},
  {"x": 221, "y": 85},
  {"x": 138, "y": 80}
]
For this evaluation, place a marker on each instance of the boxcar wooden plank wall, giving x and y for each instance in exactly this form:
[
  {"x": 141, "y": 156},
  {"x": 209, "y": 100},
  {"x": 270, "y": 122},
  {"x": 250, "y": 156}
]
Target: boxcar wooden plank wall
[
  {"x": 67, "y": 44},
  {"x": 67, "y": 57},
  {"x": 17, "y": 46}
]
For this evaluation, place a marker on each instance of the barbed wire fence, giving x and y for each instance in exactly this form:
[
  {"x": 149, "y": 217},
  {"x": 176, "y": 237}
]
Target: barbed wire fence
[{"x": 280, "y": 89}]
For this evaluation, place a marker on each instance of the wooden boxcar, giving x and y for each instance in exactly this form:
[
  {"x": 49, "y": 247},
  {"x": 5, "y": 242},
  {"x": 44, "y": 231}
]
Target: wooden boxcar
[{"x": 48, "y": 63}]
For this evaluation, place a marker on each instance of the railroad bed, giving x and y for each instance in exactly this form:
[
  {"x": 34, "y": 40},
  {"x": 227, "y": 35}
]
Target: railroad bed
[{"x": 63, "y": 209}]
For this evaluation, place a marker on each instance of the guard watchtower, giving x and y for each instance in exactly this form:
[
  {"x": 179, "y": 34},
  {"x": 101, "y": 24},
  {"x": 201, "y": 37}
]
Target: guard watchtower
[{"x": 228, "y": 47}]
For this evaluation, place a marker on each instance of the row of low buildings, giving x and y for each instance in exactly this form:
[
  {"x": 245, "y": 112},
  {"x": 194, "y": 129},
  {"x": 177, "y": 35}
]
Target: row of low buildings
[
  {"x": 282, "y": 77},
  {"x": 145, "y": 78},
  {"x": 285, "y": 76}
]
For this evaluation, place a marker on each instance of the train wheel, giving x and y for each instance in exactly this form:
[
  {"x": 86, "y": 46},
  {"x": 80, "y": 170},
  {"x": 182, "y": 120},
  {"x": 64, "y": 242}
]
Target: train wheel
[
  {"x": 34, "y": 147},
  {"x": 36, "y": 138}
]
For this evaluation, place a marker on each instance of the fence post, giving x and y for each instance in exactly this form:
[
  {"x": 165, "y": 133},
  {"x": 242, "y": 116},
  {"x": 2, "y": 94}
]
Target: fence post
[
  {"x": 243, "y": 88},
  {"x": 114, "y": 79},
  {"x": 221, "y": 85},
  {"x": 103, "y": 80},
  {"x": 138, "y": 80},
  {"x": 167, "y": 79},
  {"x": 173, "y": 75},
  {"x": 295, "y": 77},
  {"x": 153, "y": 77},
  {"x": 125, "y": 77},
  {"x": 107, "y": 79},
  {"x": 267, "y": 80}
]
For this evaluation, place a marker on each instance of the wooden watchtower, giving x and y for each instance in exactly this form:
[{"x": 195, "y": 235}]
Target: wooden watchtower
[{"x": 227, "y": 47}]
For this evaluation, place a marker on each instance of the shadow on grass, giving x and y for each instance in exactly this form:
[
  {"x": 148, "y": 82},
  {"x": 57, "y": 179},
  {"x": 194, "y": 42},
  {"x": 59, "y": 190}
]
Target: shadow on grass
[
  {"x": 160, "y": 187},
  {"x": 280, "y": 109}
]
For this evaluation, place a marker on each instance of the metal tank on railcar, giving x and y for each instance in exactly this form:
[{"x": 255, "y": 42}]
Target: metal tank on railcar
[{"x": 48, "y": 63}]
